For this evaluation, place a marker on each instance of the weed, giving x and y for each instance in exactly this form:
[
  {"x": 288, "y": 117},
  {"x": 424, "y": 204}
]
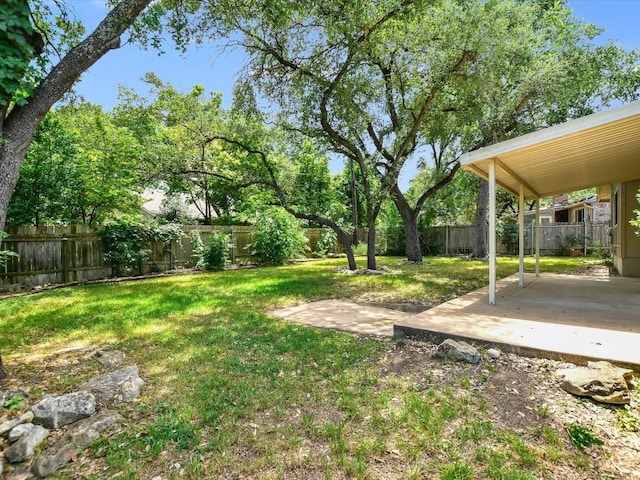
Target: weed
[
  {"x": 457, "y": 471},
  {"x": 582, "y": 437},
  {"x": 14, "y": 403},
  {"x": 629, "y": 419},
  {"x": 549, "y": 435}
]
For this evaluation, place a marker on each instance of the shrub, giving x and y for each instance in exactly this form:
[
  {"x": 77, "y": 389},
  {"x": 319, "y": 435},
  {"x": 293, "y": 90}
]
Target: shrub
[
  {"x": 125, "y": 245},
  {"x": 197, "y": 249},
  {"x": 326, "y": 244},
  {"x": 278, "y": 238},
  {"x": 216, "y": 253}
]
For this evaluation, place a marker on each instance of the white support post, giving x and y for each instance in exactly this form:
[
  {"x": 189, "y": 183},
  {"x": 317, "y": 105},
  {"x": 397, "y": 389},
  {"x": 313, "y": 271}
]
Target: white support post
[
  {"x": 537, "y": 236},
  {"x": 492, "y": 232},
  {"x": 521, "y": 237}
]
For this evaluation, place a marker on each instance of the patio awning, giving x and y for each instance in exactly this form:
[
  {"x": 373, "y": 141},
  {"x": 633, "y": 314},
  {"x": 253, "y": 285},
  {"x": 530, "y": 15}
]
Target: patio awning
[{"x": 595, "y": 150}]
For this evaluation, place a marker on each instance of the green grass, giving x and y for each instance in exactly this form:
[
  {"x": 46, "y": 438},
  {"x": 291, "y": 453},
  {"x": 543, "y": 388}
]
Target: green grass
[{"x": 230, "y": 390}]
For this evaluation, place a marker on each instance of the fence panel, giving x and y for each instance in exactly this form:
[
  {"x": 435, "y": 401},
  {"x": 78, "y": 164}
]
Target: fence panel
[
  {"x": 61, "y": 254},
  {"x": 53, "y": 254}
]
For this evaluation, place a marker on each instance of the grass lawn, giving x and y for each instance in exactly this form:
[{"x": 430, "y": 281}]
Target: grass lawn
[{"x": 233, "y": 393}]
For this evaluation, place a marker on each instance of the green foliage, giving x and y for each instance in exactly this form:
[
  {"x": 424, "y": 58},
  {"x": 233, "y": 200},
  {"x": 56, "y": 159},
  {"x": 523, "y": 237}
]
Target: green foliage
[
  {"x": 456, "y": 471},
  {"x": 508, "y": 232},
  {"x": 14, "y": 403},
  {"x": 26, "y": 56},
  {"x": 216, "y": 252},
  {"x": 278, "y": 238},
  {"x": 126, "y": 245},
  {"x": 16, "y": 48},
  {"x": 5, "y": 254},
  {"x": 327, "y": 243},
  {"x": 166, "y": 233},
  {"x": 582, "y": 437},
  {"x": 197, "y": 249},
  {"x": 636, "y": 221},
  {"x": 180, "y": 134},
  {"x": 573, "y": 241},
  {"x": 80, "y": 168},
  {"x": 629, "y": 418}
]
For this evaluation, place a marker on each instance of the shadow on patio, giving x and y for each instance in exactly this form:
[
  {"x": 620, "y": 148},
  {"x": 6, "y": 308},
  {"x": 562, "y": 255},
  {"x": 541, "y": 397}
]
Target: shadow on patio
[{"x": 570, "y": 317}]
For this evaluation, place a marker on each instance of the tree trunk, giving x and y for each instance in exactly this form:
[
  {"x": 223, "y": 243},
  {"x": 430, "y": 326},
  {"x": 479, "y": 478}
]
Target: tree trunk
[
  {"x": 410, "y": 221},
  {"x": 480, "y": 223},
  {"x": 3, "y": 373},
  {"x": 348, "y": 248},
  {"x": 18, "y": 127},
  {"x": 371, "y": 247}
]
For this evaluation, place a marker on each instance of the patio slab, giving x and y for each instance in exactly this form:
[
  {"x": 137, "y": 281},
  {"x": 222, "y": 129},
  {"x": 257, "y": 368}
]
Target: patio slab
[
  {"x": 345, "y": 316},
  {"x": 569, "y": 317}
]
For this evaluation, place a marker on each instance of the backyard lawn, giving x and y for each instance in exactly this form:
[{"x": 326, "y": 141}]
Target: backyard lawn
[{"x": 233, "y": 393}]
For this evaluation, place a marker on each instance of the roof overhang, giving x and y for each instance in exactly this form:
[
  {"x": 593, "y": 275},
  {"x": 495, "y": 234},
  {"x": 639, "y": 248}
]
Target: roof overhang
[{"x": 595, "y": 150}]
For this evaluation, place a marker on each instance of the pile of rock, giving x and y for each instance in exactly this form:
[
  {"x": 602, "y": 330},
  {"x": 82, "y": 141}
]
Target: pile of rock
[{"x": 84, "y": 413}]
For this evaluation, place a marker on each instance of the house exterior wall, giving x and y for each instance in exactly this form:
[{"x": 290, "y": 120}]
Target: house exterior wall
[
  {"x": 601, "y": 212},
  {"x": 625, "y": 244}
]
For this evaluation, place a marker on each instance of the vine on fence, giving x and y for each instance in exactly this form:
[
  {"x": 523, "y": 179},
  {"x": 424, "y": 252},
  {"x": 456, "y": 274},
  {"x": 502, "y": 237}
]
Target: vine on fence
[{"x": 127, "y": 244}]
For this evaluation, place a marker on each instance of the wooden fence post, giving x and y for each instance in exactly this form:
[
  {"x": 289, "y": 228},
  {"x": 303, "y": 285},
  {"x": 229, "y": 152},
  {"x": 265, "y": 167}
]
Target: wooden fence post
[{"x": 64, "y": 258}]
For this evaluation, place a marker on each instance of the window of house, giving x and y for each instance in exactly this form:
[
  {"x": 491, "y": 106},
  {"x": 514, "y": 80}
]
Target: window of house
[{"x": 580, "y": 215}]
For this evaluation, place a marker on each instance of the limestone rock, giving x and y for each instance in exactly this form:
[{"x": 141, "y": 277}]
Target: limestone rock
[
  {"x": 8, "y": 426},
  {"x": 26, "y": 445},
  {"x": 55, "y": 412},
  {"x": 122, "y": 385},
  {"x": 79, "y": 435},
  {"x": 601, "y": 381},
  {"x": 109, "y": 359},
  {"x": 20, "y": 431},
  {"x": 493, "y": 353},
  {"x": 459, "y": 351}
]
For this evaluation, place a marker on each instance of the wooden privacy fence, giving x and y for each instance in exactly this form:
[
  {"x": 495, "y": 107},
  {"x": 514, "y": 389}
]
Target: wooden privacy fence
[
  {"x": 62, "y": 254},
  {"x": 460, "y": 239},
  {"x": 53, "y": 254}
]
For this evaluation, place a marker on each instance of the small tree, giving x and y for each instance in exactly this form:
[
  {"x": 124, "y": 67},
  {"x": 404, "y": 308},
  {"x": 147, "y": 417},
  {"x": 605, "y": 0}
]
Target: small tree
[{"x": 278, "y": 238}]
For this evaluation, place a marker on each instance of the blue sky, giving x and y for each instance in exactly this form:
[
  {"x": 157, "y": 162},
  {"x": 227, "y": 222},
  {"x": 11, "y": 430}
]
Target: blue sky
[{"x": 219, "y": 72}]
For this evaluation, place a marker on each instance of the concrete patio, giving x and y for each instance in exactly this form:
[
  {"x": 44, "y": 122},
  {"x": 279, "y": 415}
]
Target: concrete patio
[{"x": 569, "y": 317}]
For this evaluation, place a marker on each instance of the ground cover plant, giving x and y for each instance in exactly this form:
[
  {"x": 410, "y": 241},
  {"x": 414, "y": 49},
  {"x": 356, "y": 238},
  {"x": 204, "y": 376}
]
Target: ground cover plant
[{"x": 234, "y": 393}]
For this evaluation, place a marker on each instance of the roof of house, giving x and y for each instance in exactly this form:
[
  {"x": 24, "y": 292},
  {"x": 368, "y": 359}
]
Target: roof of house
[{"x": 598, "y": 149}]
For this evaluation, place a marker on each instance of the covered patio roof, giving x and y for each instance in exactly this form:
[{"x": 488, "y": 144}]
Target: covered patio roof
[{"x": 595, "y": 150}]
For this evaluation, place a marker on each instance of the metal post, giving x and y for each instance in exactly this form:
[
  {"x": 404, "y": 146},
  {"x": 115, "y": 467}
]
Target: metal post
[
  {"x": 538, "y": 237},
  {"x": 492, "y": 232},
  {"x": 521, "y": 238}
]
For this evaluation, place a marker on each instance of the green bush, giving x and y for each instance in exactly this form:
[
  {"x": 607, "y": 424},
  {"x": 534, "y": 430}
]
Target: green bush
[
  {"x": 197, "y": 249},
  {"x": 126, "y": 246},
  {"x": 326, "y": 244},
  {"x": 126, "y": 243},
  {"x": 278, "y": 238},
  {"x": 216, "y": 253}
]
